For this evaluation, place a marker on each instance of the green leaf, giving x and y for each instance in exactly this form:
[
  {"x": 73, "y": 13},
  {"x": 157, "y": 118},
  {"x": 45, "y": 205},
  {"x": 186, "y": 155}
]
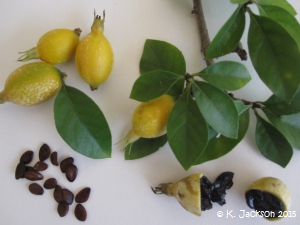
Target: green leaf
[
  {"x": 153, "y": 84},
  {"x": 160, "y": 55},
  {"x": 229, "y": 35},
  {"x": 226, "y": 75},
  {"x": 284, "y": 18},
  {"x": 144, "y": 147},
  {"x": 81, "y": 123},
  {"x": 238, "y": 1},
  {"x": 187, "y": 131},
  {"x": 280, "y": 3},
  {"x": 271, "y": 143},
  {"x": 280, "y": 107},
  {"x": 271, "y": 49},
  {"x": 289, "y": 126},
  {"x": 220, "y": 146},
  {"x": 217, "y": 108}
]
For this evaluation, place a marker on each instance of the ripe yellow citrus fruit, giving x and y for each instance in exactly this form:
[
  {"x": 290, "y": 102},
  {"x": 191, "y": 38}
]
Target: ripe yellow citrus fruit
[
  {"x": 55, "y": 47},
  {"x": 94, "y": 55},
  {"x": 32, "y": 84},
  {"x": 150, "y": 119}
]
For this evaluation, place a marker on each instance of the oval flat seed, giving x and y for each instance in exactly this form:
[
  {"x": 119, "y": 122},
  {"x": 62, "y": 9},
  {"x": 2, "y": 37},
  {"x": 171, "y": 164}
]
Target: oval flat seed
[
  {"x": 40, "y": 166},
  {"x": 20, "y": 170},
  {"x": 83, "y": 195},
  {"x": 36, "y": 189},
  {"x": 53, "y": 158},
  {"x": 62, "y": 209},
  {"x": 57, "y": 194},
  {"x": 44, "y": 152},
  {"x": 50, "y": 183},
  {"x": 33, "y": 175},
  {"x": 65, "y": 163},
  {"x": 68, "y": 196},
  {"x": 80, "y": 212},
  {"x": 27, "y": 157},
  {"x": 71, "y": 172}
]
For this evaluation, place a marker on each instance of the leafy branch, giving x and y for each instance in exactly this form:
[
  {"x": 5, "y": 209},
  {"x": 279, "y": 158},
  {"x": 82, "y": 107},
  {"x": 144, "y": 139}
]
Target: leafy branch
[{"x": 207, "y": 120}]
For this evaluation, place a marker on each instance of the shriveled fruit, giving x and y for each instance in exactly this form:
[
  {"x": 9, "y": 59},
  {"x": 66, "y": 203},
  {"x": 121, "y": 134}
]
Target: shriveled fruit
[
  {"x": 94, "y": 55},
  {"x": 150, "y": 119},
  {"x": 55, "y": 47},
  {"x": 32, "y": 84},
  {"x": 270, "y": 195}
]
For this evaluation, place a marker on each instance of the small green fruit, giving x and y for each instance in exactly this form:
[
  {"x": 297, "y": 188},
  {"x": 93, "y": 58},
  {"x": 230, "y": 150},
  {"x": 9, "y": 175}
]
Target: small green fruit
[{"x": 32, "y": 84}]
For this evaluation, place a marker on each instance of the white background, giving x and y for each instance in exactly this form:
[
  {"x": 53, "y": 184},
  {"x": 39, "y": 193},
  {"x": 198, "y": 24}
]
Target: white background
[{"x": 121, "y": 191}]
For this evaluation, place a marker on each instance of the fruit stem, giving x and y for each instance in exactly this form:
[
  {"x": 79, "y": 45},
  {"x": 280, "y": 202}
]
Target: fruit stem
[
  {"x": 1, "y": 100},
  {"x": 28, "y": 55},
  {"x": 78, "y": 31},
  {"x": 98, "y": 24},
  {"x": 167, "y": 189}
]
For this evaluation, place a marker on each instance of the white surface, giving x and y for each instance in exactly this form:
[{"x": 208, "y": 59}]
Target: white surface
[{"x": 121, "y": 191}]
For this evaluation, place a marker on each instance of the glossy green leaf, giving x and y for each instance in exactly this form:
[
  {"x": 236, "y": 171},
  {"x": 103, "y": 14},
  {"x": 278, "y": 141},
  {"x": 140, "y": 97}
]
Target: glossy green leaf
[
  {"x": 220, "y": 146},
  {"x": 160, "y": 55},
  {"x": 289, "y": 126},
  {"x": 217, "y": 108},
  {"x": 284, "y": 18},
  {"x": 280, "y": 3},
  {"x": 187, "y": 131},
  {"x": 238, "y": 1},
  {"x": 144, "y": 147},
  {"x": 153, "y": 84},
  {"x": 226, "y": 75},
  {"x": 81, "y": 123},
  {"x": 271, "y": 143},
  {"x": 280, "y": 107},
  {"x": 271, "y": 49},
  {"x": 229, "y": 35}
]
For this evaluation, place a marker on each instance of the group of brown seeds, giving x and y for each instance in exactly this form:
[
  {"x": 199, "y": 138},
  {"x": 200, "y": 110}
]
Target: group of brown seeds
[{"x": 62, "y": 196}]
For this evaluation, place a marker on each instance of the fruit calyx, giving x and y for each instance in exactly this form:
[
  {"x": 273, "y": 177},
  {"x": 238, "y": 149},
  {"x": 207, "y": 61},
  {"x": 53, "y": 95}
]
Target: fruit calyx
[
  {"x": 28, "y": 55},
  {"x": 78, "y": 31},
  {"x": 98, "y": 24}
]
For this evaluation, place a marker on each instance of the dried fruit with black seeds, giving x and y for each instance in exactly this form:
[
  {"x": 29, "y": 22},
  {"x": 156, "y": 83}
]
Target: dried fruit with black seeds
[
  {"x": 65, "y": 163},
  {"x": 33, "y": 175},
  {"x": 83, "y": 195},
  {"x": 50, "y": 183},
  {"x": 53, "y": 158},
  {"x": 80, "y": 212},
  {"x": 36, "y": 189},
  {"x": 62, "y": 209},
  {"x": 27, "y": 157},
  {"x": 71, "y": 172},
  {"x": 40, "y": 166},
  {"x": 20, "y": 170},
  {"x": 44, "y": 152}
]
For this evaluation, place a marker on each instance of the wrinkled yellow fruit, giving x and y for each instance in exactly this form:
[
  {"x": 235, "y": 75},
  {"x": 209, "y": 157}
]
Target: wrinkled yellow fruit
[
  {"x": 94, "y": 55},
  {"x": 55, "y": 47},
  {"x": 150, "y": 119},
  {"x": 32, "y": 84}
]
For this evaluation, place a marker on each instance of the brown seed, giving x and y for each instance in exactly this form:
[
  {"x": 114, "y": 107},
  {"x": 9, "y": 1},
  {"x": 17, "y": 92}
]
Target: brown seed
[
  {"x": 57, "y": 194},
  {"x": 27, "y": 157},
  {"x": 20, "y": 170},
  {"x": 80, "y": 212},
  {"x": 44, "y": 152},
  {"x": 65, "y": 163},
  {"x": 68, "y": 196},
  {"x": 83, "y": 195},
  {"x": 53, "y": 158},
  {"x": 71, "y": 172},
  {"x": 62, "y": 209},
  {"x": 50, "y": 183},
  {"x": 40, "y": 166},
  {"x": 27, "y": 168},
  {"x": 36, "y": 189},
  {"x": 33, "y": 175}
]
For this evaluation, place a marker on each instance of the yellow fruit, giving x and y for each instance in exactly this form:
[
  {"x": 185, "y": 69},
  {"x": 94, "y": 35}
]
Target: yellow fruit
[
  {"x": 55, "y": 47},
  {"x": 31, "y": 84},
  {"x": 150, "y": 119},
  {"x": 94, "y": 55}
]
